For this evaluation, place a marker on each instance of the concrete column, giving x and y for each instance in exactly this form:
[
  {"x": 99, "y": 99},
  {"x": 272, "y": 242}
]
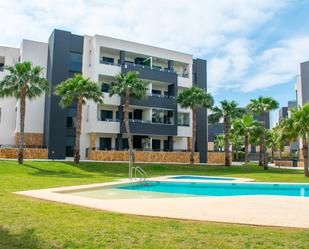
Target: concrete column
[
  {"x": 170, "y": 65},
  {"x": 189, "y": 142},
  {"x": 119, "y": 145},
  {"x": 92, "y": 141},
  {"x": 170, "y": 143},
  {"x": 122, "y": 56}
]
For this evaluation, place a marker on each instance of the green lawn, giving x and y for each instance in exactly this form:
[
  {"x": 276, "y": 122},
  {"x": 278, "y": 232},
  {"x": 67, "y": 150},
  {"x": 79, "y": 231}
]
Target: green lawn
[{"x": 32, "y": 223}]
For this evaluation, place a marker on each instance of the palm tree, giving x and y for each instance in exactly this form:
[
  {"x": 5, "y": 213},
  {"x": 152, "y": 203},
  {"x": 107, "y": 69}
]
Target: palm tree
[
  {"x": 194, "y": 98},
  {"x": 128, "y": 86},
  {"x": 77, "y": 90},
  {"x": 261, "y": 106},
  {"x": 298, "y": 127},
  {"x": 246, "y": 127},
  {"x": 237, "y": 143},
  {"x": 23, "y": 81},
  {"x": 272, "y": 142},
  {"x": 228, "y": 110},
  {"x": 219, "y": 142}
]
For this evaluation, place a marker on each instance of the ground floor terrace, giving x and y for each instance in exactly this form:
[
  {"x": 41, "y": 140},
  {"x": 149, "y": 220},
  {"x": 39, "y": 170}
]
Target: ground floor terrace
[{"x": 27, "y": 222}]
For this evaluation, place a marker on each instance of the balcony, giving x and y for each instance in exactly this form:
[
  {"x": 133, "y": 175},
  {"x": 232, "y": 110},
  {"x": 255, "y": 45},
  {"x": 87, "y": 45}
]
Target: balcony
[
  {"x": 114, "y": 100},
  {"x": 108, "y": 68},
  {"x": 111, "y": 126},
  {"x": 147, "y": 127},
  {"x": 151, "y": 73},
  {"x": 184, "y": 131},
  {"x": 155, "y": 100}
]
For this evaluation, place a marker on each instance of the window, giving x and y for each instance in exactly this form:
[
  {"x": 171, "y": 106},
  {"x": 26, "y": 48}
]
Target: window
[
  {"x": 162, "y": 116},
  {"x": 76, "y": 62},
  {"x": 106, "y": 115},
  {"x": 125, "y": 144},
  {"x": 69, "y": 148},
  {"x": 156, "y": 92},
  {"x": 156, "y": 145},
  {"x": 184, "y": 119},
  {"x": 105, "y": 143},
  {"x": 2, "y": 63},
  {"x": 71, "y": 122},
  {"x": 105, "y": 87},
  {"x": 107, "y": 60}
]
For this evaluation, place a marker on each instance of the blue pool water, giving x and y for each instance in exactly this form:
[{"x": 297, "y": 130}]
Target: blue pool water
[
  {"x": 219, "y": 189},
  {"x": 202, "y": 178}
]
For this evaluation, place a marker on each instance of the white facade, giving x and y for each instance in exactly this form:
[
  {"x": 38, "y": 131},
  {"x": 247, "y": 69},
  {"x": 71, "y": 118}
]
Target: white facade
[
  {"x": 36, "y": 53},
  {"x": 96, "y": 47},
  {"x": 8, "y": 105}
]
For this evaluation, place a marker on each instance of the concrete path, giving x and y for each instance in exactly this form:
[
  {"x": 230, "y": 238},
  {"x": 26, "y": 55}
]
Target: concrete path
[{"x": 255, "y": 210}]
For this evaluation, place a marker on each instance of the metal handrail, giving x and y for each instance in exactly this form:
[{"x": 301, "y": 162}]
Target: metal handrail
[{"x": 142, "y": 172}]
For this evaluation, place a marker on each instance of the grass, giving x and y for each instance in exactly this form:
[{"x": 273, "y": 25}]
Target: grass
[{"x": 32, "y": 223}]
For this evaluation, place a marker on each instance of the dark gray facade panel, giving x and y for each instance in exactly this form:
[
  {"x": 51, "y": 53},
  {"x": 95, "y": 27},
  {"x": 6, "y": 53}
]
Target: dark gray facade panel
[
  {"x": 267, "y": 119},
  {"x": 200, "y": 79},
  {"x": 304, "y": 74},
  {"x": 214, "y": 130},
  {"x": 61, "y": 43},
  {"x": 153, "y": 101},
  {"x": 151, "y": 74},
  {"x": 150, "y": 129},
  {"x": 283, "y": 113}
]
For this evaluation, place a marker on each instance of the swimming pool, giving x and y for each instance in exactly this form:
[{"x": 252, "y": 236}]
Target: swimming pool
[
  {"x": 169, "y": 189},
  {"x": 187, "y": 177}
]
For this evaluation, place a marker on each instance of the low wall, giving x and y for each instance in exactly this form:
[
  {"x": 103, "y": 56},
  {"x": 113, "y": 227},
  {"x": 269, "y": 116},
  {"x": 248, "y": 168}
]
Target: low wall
[
  {"x": 30, "y": 138},
  {"x": 142, "y": 156},
  {"x": 29, "y": 153},
  {"x": 288, "y": 163},
  {"x": 216, "y": 157}
]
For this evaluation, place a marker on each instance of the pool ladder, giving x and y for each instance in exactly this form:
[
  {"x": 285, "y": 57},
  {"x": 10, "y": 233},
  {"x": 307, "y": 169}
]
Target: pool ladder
[{"x": 138, "y": 170}]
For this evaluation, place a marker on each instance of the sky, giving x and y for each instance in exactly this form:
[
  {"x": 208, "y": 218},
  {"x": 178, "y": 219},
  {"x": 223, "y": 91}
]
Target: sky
[{"x": 253, "y": 48}]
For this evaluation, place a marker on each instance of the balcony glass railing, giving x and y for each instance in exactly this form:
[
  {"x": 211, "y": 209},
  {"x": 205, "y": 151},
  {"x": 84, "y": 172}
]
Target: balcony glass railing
[
  {"x": 149, "y": 122},
  {"x": 108, "y": 63},
  {"x": 160, "y": 96},
  {"x": 183, "y": 124},
  {"x": 183, "y": 74},
  {"x": 157, "y": 68},
  {"x": 108, "y": 119}
]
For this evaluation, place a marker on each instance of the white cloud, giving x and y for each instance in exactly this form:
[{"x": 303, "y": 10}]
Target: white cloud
[
  {"x": 278, "y": 65},
  {"x": 219, "y": 31}
]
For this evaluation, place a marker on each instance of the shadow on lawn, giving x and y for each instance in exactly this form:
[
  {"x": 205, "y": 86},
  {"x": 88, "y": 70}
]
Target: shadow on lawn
[
  {"x": 25, "y": 240},
  {"x": 58, "y": 173}
]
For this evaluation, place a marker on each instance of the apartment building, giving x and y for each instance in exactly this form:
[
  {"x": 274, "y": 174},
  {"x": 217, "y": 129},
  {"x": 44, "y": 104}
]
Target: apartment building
[
  {"x": 157, "y": 122},
  {"x": 302, "y": 84},
  {"x": 218, "y": 128}
]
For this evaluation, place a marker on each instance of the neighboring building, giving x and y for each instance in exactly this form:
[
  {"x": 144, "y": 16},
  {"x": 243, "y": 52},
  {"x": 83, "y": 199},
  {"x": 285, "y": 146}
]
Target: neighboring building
[
  {"x": 218, "y": 128},
  {"x": 283, "y": 113},
  {"x": 157, "y": 122},
  {"x": 302, "y": 84},
  {"x": 214, "y": 130}
]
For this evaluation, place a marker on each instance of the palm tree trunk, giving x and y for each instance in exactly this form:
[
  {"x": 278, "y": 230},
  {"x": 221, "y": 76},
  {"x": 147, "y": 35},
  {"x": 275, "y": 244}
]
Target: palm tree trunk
[
  {"x": 272, "y": 154},
  {"x": 261, "y": 153},
  {"x": 246, "y": 149},
  {"x": 305, "y": 153},
  {"x": 264, "y": 149},
  {"x": 78, "y": 130},
  {"x": 227, "y": 142},
  {"x": 22, "y": 125},
  {"x": 127, "y": 125},
  {"x": 193, "y": 136}
]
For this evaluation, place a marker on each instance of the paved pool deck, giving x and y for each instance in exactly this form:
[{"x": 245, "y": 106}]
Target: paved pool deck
[{"x": 283, "y": 211}]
